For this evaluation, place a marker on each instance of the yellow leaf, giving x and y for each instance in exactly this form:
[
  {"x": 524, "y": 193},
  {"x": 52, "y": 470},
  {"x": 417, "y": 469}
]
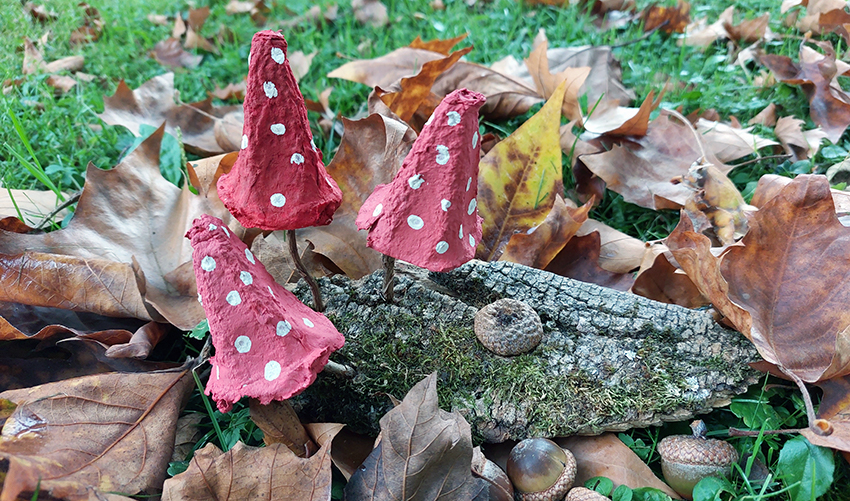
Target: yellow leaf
[{"x": 519, "y": 178}]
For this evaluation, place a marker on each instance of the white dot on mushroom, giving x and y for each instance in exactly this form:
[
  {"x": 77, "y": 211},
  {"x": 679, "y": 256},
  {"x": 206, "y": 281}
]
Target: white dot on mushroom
[
  {"x": 242, "y": 344},
  {"x": 307, "y": 322},
  {"x": 271, "y": 371},
  {"x": 270, "y": 290},
  {"x": 213, "y": 227},
  {"x": 445, "y": 204},
  {"x": 454, "y": 118},
  {"x": 246, "y": 278},
  {"x": 297, "y": 158},
  {"x": 460, "y": 232},
  {"x": 283, "y": 328},
  {"x": 472, "y": 205},
  {"x": 249, "y": 256},
  {"x": 442, "y": 154},
  {"x": 278, "y": 200},
  {"x": 208, "y": 263},
  {"x": 471, "y": 241},
  {"x": 233, "y": 298},
  {"x": 244, "y": 141},
  {"x": 377, "y": 211},
  {"x": 270, "y": 90},
  {"x": 415, "y": 181},
  {"x": 475, "y": 139},
  {"x": 226, "y": 232},
  {"x": 278, "y": 55},
  {"x": 278, "y": 129},
  {"x": 468, "y": 183},
  {"x": 442, "y": 247},
  {"x": 199, "y": 299},
  {"x": 313, "y": 144},
  {"x": 415, "y": 222}
]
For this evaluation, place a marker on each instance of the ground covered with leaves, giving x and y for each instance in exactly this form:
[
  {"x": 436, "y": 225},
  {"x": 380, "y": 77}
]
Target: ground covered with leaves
[{"x": 692, "y": 153}]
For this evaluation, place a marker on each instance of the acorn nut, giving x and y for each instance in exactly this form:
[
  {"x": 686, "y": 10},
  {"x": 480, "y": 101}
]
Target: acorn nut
[
  {"x": 541, "y": 470},
  {"x": 508, "y": 327},
  {"x": 687, "y": 459},
  {"x": 585, "y": 494}
]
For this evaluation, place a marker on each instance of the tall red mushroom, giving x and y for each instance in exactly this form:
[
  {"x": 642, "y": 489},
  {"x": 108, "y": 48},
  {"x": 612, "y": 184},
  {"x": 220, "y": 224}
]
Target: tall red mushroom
[
  {"x": 268, "y": 344},
  {"x": 428, "y": 214},
  {"x": 279, "y": 181}
]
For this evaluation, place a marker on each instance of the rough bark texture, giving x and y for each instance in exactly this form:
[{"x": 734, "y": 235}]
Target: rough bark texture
[{"x": 608, "y": 360}]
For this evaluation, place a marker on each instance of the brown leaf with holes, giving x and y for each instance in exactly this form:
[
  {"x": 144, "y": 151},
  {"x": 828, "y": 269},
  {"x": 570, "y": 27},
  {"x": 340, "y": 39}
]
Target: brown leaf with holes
[
  {"x": 641, "y": 168},
  {"x": 579, "y": 260},
  {"x": 667, "y": 19},
  {"x": 153, "y": 103},
  {"x": 123, "y": 253},
  {"x": 816, "y": 74},
  {"x": 424, "y": 453},
  {"x": 170, "y": 53},
  {"x": 113, "y": 432},
  {"x": 539, "y": 245},
  {"x": 607, "y": 456},
  {"x": 800, "y": 319},
  {"x": 246, "y": 472}
]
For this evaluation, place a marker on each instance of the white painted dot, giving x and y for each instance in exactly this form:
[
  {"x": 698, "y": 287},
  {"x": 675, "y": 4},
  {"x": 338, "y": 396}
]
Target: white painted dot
[
  {"x": 307, "y": 322},
  {"x": 233, "y": 298},
  {"x": 226, "y": 232},
  {"x": 199, "y": 299},
  {"x": 472, "y": 205},
  {"x": 278, "y": 200},
  {"x": 377, "y": 211},
  {"x": 468, "y": 184},
  {"x": 442, "y": 247},
  {"x": 283, "y": 328},
  {"x": 244, "y": 141},
  {"x": 415, "y": 181},
  {"x": 442, "y": 154},
  {"x": 313, "y": 145},
  {"x": 445, "y": 204},
  {"x": 270, "y": 90},
  {"x": 415, "y": 222},
  {"x": 297, "y": 158},
  {"x": 471, "y": 241},
  {"x": 249, "y": 58},
  {"x": 475, "y": 139},
  {"x": 278, "y": 129},
  {"x": 249, "y": 256},
  {"x": 278, "y": 55},
  {"x": 272, "y": 371},
  {"x": 208, "y": 263},
  {"x": 460, "y": 233},
  {"x": 217, "y": 374},
  {"x": 270, "y": 290},
  {"x": 242, "y": 344},
  {"x": 454, "y": 118},
  {"x": 246, "y": 278},
  {"x": 213, "y": 227},
  {"x": 430, "y": 119}
]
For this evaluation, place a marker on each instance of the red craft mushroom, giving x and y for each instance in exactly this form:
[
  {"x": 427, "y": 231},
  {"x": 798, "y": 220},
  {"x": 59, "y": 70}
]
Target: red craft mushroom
[
  {"x": 428, "y": 214},
  {"x": 279, "y": 181},
  {"x": 268, "y": 344}
]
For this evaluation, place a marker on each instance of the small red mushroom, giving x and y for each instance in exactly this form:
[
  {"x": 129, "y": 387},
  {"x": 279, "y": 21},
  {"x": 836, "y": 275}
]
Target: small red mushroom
[
  {"x": 279, "y": 181},
  {"x": 268, "y": 344},
  {"x": 428, "y": 214}
]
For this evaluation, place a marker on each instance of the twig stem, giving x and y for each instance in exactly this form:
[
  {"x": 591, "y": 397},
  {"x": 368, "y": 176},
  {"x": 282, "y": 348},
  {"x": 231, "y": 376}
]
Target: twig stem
[
  {"x": 318, "y": 305},
  {"x": 735, "y": 432},
  {"x": 389, "y": 277}
]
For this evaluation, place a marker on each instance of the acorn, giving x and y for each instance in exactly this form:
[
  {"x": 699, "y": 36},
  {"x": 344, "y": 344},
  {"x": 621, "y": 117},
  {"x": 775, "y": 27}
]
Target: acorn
[
  {"x": 541, "y": 470},
  {"x": 687, "y": 459},
  {"x": 585, "y": 494},
  {"x": 508, "y": 327}
]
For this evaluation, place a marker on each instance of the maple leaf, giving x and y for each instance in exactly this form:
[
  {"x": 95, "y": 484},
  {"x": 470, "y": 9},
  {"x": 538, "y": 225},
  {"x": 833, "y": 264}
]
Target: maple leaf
[
  {"x": 579, "y": 260},
  {"x": 546, "y": 83},
  {"x": 730, "y": 143},
  {"x": 658, "y": 279}
]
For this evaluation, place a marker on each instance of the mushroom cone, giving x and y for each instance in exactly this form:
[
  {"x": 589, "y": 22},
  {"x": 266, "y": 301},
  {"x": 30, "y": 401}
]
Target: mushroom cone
[
  {"x": 428, "y": 214},
  {"x": 279, "y": 181},
  {"x": 268, "y": 344}
]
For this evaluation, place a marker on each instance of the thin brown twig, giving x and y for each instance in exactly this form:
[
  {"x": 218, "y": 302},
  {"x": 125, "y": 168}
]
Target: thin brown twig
[
  {"x": 389, "y": 277},
  {"x": 318, "y": 304},
  {"x": 64, "y": 205},
  {"x": 759, "y": 159},
  {"x": 735, "y": 432}
]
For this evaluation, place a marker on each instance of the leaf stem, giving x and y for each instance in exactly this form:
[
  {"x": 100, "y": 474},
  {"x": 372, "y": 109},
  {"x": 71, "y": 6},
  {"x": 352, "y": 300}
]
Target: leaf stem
[{"x": 318, "y": 304}]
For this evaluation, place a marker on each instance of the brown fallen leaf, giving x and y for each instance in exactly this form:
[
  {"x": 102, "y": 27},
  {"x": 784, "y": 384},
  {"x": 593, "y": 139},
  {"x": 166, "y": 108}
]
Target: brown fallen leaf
[
  {"x": 800, "y": 322},
  {"x": 667, "y": 19},
  {"x": 748, "y": 31},
  {"x": 814, "y": 9},
  {"x": 424, "y": 452},
  {"x": 245, "y": 472},
  {"x": 280, "y": 425},
  {"x": 618, "y": 252},
  {"x": 701, "y": 34},
  {"x": 771, "y": 185},
  {"x": 798, "y": 143},
  {"x": 370, "y": 12},
  {"x": 34, "y": 61},
  {"x": 34, "y": 205},
  {"x": 716, "y": 198},
  {"x": 579, "y": 260},
  {"x": 91, "y": 28},
  {"x": 124, "y": 247},
  {"x": 729, "y": 143},
  {"x": 607, "y": 456},
  {"x": 187, "y": 434},
  {"x": 766, "y": 117},
  {"x": 661, "y": 281},
  {"x": 40, "y": 13},
  {"x": 349, "y": 449},
  {"x": 170, "y": 53},
  {"x": 546, "y": 83},
  {"x": 66, "y": 438},
  {"x": 611, "y": 119},
  {"x": 300, "y": 63},
  {"x": 316, "y": 15},
  {"x": 443, "y": 47},
  {"x": 141, "y": 343},
  {"x": 61, "y": 83},
  {"x": 231, "y": 91}
]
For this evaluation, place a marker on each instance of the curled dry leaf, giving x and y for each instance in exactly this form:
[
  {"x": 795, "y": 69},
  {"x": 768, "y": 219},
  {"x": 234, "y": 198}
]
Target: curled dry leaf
[
  {"x": 245, "y": 472},
  {"x": 443, "y": 47},
  {"x": 142, "y": 342},
  {"x": 716, "y": 198},
  {"x": 349, "y": 449},
  {"x": 519, "y": 178},
  {"x": 611, "y": 119},
  {"x": 280, "y": 425},
  {"x": 730, "y": 143},
  {"x": 170, "y": 53},
  {"x": 799, "y": 314},
  {"x": 663, "y": 282},
  {"x": 546, "y": 83},
  {"x": 65, "y": 438},
  {"x": 579, "y": 260},
  {"x": 424, "y": 453},
  {"x": 618, "y": 252},
  {"x": 798, "y": 143}
]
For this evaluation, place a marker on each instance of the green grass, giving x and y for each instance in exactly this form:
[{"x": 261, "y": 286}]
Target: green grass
[{"x": 65, "y": 133}]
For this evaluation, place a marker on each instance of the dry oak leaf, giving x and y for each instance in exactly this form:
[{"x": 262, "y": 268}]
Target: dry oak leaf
[
  {"x": 124, "y": 249},
  {"x": 816, "y": 74},
  {"x": 107, "y": 432},
  {"x": 153, "y": 103},
  {"x": 607, "y": 456},
  {"x": 245, "y": 472},
  {"x": 519, "y": 179},
  {"x": 800, "y": 319},
  {"x": 641, "y": 168},
  {"x": 425, "y": 453}
]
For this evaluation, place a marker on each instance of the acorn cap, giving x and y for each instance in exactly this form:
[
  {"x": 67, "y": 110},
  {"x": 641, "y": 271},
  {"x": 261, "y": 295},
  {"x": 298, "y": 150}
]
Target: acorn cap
[
  {"x": 508, "y": 327},
  {"x": 686, "y": 449},
  {"x": 585, "y": 494}
]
